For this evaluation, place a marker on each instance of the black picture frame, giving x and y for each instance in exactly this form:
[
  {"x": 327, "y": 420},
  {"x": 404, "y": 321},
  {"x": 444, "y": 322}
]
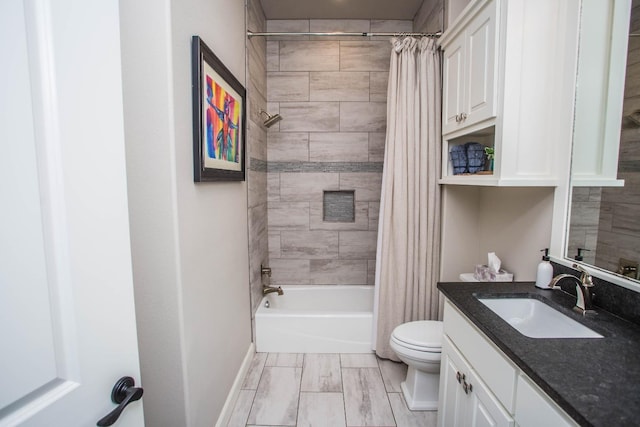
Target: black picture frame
[{"x": 219, "y": 118}]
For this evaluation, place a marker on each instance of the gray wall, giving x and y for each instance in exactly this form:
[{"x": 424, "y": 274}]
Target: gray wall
[
  {"x": 257, "y": 150},
  {"x": 430, "y": 17},
  {"x": 331, "y": 94},
  {"x": 189, "y": 241}
]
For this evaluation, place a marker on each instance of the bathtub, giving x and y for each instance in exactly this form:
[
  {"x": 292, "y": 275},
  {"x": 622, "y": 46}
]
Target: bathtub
[{"x": 316, "y": 319}]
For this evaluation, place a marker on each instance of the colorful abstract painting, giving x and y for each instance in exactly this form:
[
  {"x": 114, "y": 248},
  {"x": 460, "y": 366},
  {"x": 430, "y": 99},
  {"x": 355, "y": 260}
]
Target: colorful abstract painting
[
  {"x": 219, "y": 118},
  {"x": 222, "y": 123}
]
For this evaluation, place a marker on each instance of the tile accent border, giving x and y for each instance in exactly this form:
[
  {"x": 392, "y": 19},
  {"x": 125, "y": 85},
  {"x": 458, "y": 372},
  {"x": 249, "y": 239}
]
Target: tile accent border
[
  {"x": 257, "y": 165},
  {"x": 309, "y": 167}
]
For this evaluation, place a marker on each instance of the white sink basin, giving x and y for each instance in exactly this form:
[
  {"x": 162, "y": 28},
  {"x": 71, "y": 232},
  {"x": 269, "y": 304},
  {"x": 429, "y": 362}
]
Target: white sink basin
[{"x": 535, "y": 319}]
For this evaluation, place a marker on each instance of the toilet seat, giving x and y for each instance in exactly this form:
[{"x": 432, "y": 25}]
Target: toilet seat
[{"x": 421, "y": 335}]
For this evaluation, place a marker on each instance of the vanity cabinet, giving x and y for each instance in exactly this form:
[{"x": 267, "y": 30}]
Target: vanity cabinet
[
  {"x": 509, "y": 83},
  {"x": 479, "y": 386},
  {"x": 469, "y": 66}
]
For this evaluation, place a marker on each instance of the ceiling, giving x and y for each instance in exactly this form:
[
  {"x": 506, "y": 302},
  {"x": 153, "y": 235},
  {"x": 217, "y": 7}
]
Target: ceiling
[{"x": 340, "y": 9}]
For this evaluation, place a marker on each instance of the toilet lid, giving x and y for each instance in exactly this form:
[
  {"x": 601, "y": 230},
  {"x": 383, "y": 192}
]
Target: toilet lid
[{"x": 423, "y": 334}]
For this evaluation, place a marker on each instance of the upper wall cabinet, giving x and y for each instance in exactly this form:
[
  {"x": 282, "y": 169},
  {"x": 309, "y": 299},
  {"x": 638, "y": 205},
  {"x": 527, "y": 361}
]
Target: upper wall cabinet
[
  {"x": 602, "y": 62},
  {"x": 469, "y": 67},
  {"x": 509, "y": 84}
]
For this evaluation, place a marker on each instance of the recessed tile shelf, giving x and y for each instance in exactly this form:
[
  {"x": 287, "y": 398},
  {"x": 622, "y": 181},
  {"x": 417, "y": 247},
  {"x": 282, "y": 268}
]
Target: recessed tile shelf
[{"x": 338, "y": 206}]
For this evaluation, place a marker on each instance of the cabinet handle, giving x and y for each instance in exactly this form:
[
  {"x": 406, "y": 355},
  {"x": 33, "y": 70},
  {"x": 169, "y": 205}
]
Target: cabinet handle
[
  {"x": 457, "y": 118},
  {"x": 463, "y": 117},
  {"x": 460, "y": 377},
  {"x": 467, "y": 387}
]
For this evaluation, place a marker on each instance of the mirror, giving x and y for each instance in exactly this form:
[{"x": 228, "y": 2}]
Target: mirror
[{"x": 604, "y": 223}]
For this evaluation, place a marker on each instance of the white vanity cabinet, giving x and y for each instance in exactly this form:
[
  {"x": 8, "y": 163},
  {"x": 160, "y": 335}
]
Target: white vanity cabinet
[
  {"x": 480, "y": 386},
  {"x": 509, "y": 83},
  {"x": 469, "y": 66}
]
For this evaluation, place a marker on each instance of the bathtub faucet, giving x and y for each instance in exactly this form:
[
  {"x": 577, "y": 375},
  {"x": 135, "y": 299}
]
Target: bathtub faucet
[{"x": 268, "y": 289}]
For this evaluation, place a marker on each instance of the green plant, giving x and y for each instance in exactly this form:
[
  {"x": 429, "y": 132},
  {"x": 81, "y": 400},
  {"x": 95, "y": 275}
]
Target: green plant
[{"x": 490, "y": 152}]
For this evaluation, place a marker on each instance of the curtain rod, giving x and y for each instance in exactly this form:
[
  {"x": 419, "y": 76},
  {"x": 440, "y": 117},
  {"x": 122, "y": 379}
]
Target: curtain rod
[{"x": 340, "y": 33}]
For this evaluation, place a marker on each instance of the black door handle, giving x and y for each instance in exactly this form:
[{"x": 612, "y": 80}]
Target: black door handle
[{"x": 122, "y": 394}]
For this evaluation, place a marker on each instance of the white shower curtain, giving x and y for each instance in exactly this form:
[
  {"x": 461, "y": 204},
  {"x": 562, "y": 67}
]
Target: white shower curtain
[{"x": 408, "y": 252}]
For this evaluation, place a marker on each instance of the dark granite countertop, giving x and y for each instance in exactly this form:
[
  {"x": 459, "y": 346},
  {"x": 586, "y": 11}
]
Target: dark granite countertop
[{"x": 595, "y": 380}]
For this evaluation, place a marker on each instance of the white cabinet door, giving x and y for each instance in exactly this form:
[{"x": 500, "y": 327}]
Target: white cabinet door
[
  {"x": 481, "y": 52},
  {"x": 451, "y": 396},
  {"x": 464, "y": 399},
  {"x": 453, "y": 62},
  {"x": 484, "y": 409},
  {"x": 469, "y": 72},
  {"x": 534, "y": 408},
  {"x": 67, "y": 320}
]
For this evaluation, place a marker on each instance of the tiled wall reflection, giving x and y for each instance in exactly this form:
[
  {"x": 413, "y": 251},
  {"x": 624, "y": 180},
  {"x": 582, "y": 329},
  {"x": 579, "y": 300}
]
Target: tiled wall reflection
[{"x": 331, "y": 93}]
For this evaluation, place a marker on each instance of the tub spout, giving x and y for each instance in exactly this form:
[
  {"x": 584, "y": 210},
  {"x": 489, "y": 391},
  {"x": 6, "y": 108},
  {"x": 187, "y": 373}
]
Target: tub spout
[{"x": 269, "y": 289}]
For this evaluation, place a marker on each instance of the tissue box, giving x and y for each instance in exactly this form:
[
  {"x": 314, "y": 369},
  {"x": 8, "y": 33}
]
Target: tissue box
[
  {"x": 483, "y": 273},
  {"x": 500, "y": 276}
]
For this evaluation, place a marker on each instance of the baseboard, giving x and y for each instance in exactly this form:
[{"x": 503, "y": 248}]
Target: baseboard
[{"x": 227, "y": 409}]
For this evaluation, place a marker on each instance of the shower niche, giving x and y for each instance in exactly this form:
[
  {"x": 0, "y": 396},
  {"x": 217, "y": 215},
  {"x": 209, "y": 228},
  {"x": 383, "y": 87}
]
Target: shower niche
[{"x": 528, "y": 81}]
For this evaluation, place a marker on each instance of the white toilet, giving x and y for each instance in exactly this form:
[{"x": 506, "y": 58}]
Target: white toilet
[{"x": 419, "y": 345}]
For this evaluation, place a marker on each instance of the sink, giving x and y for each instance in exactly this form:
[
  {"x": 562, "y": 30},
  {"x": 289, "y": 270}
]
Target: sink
[{"x": 535, "y": 319}]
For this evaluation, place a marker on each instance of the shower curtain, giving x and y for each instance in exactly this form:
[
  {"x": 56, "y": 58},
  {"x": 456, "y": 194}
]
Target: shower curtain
[{"x": 408, "y": 251}]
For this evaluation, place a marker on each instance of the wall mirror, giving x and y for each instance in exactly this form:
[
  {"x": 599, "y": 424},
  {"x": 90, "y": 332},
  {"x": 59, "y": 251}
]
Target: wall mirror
[{"x": 604, "y": 222}]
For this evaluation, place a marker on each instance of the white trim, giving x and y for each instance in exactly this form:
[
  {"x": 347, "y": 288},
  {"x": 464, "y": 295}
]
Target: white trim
[{"x": 232, "y": 397}]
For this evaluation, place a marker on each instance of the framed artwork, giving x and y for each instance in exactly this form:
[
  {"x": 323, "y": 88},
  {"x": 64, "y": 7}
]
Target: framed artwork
[{"x": 218, "y": 118}]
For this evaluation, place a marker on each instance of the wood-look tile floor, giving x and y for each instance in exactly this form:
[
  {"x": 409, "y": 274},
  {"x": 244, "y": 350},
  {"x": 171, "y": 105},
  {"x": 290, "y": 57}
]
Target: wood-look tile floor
[{"x": 332, "y": 390}]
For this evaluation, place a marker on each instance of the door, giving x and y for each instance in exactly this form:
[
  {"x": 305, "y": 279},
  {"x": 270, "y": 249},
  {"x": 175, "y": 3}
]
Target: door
[
  {"x": 67, "y": 319},
  {"x": 484, "y": 409},
  {"x": 453, "y": 405},
  {"x": 454, "y": 75},
  {"x": 479, "y": 101}
]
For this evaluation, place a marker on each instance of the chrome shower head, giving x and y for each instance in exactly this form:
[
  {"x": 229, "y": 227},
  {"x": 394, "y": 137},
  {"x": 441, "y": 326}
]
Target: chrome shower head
[{"x": 271, "y": 119}]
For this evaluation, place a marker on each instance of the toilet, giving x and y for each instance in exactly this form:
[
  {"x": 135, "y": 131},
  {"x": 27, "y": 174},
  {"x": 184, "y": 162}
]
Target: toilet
[{"x": 419, "y": 345}]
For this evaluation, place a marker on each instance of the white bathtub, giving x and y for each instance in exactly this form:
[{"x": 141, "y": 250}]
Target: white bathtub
[{"x": 316, "y": 319}]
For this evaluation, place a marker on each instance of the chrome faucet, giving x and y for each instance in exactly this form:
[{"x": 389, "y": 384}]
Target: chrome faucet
[
  {"x": 584, "y": 285},
  {"x": 268, "y": 289}
]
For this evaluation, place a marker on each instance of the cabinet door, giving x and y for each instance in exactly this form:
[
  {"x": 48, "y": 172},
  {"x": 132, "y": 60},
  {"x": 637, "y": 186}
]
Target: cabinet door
[
  {"x": 534, "y": 408},
  {"x": 453, "y": 63},
  {"x": 484, "y": 410},
  {"x": 479, "y": 99},
  {"x": 465, "y": 400},
  {"x": 451, "y": 411}
]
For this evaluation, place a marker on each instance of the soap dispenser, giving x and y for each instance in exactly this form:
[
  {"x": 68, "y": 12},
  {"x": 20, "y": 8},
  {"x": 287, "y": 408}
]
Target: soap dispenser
[{"x": 545, "y": 271}]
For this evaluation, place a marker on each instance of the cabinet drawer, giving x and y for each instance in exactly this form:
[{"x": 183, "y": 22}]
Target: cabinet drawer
[
  {"x": 487, "y": 360},
  {"x": 534, "y": 408}
]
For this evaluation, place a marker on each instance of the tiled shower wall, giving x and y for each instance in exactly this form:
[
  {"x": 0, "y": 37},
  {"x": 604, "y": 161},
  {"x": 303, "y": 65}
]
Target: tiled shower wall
[
  {"x": 619, "y": 229},
  {"x": 331, "y": 94},
  {"x": 585, "y": 217},
  {"x": 256, "y": 150},
  {"x": 430, "y": 17}
]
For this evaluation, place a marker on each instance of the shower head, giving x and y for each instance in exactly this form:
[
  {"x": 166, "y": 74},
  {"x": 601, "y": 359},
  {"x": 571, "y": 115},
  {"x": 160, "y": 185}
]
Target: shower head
[{"x": 271, "y": 119}]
